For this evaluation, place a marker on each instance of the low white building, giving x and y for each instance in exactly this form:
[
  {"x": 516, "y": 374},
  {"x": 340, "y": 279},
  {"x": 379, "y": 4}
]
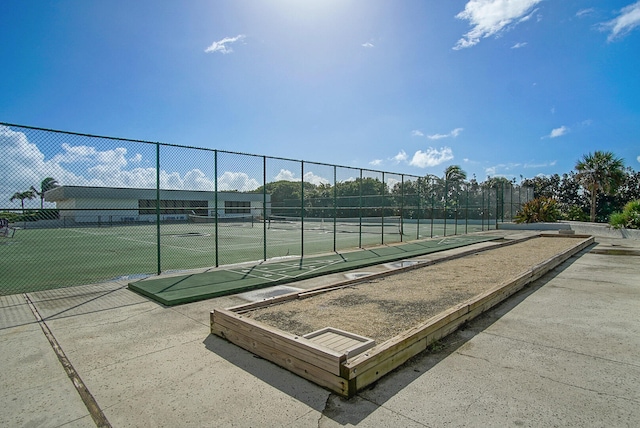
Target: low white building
[{"x": 83, "y": 204}]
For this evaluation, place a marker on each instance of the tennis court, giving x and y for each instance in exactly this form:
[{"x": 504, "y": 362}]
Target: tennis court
[
  {"x": 173, "y": 290},
  {"x": 42, "y": 258},
  {"x": 85, "y": 234}
]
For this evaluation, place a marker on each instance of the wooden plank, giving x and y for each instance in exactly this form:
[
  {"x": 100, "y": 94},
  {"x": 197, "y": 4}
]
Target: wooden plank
[
  {"x": 393, "y": 361},
  {"x": 480, "y": 300},
  {"x": 300, "y": 367},
  {"x": 268, "y": 334},
  {"x": 341, "y": 341},
  {"x": 332, "y": 341},
  {"x": 555, "y": 235},
  {"x": 373, "y": 356},
  {"x": 267, "y": 302},
  {"x": 542, "y": 268},
  {"x": 383, "y": 367},
  {"x": 296, "y": 346}
]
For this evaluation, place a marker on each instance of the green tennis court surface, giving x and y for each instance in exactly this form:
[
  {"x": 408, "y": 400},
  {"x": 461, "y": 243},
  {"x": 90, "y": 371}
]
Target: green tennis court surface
[{"x": 176, "y": 290}]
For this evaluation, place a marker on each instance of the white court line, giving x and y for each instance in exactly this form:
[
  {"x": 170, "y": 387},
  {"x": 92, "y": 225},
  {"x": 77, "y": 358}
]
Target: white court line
[
  {"x": 263, "y": 276},
  {"x": 263, "y": 271},
  {"x": 146, "y": 242}
]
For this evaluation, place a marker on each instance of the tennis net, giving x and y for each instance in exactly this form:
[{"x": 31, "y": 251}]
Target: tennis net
[
  {"x": 235, "y": 221},
  {"x": 375, "y": 225}
]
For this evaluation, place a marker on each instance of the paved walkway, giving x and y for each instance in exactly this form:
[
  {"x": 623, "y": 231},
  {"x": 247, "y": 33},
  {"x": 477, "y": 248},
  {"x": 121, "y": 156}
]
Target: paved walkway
[{"x": 563, "y": 352}]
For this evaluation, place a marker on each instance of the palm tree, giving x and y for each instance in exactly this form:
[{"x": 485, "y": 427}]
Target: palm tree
[
  {"x": 46, "y": 184},
  {"x": 453, "y": 178},
  {"x": 27, "y": 194},
  {"x": 454, "y": 173},
  {"x": 600, "y": 172}
]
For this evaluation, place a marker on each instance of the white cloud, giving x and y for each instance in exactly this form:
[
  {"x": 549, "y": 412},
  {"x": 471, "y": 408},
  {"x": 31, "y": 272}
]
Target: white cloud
[
  {"x": 558, "y": 132},
  {"x": 454, "y": 133},
  {"x": 221, "y": 45},
  {"x": 285, "y": 175},
  {"x": 626, "y": 21},
  {"x": 502, "y": 170},
  {"x": 376, "y": 162},
  {"x": 539, "y": 165},
  {"x": 527, "y": 17},
  {"x": 431, "y": 157},
  {"x": 585, "y": 12},
  {"x": 491, "y": 17},
  {"x": 416, "y": 133},
  {"x": 237, "y": 181},
  {"x": 309, "y": 177},
  {"x": 24, "y": 165},
  {"x": 400, "y": 157},
  {"x": 392, "y": 182},
  {"x": 368, "y": 45},
  {"x": 638, "y": 159},
  {"x": 519, "y": 45}
]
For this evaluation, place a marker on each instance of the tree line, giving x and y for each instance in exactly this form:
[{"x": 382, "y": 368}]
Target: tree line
[
  {"x": 600, "y": 186},
  {"x": 419, "y": 197}
]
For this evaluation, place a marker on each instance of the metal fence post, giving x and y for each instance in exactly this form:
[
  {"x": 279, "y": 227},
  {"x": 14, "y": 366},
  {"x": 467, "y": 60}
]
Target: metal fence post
[
  {"x": 215, "y": 203},
  {"x": 402, "y": 208},
  {"x": 444, "y": 210},
  {"x": 158, "y": 206},
  {"x": 360, "y": 211},
  {"x": 455, "y": 227},
  {"x": 419, "y": 212},
  {"x": 335, "y": 206},
  {"x": 482, "y": 209},
  {"x": 466, "y": 212},
  {"x": 382, "y": 208},
  {"x": 264, "y": 207},
  {"x": 432, "y": 207},
  {"x": 302, "y": 209}
]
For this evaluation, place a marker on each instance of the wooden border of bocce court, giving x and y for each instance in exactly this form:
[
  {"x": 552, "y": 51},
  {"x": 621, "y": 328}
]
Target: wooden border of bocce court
[{"x": 345, "y": 376}]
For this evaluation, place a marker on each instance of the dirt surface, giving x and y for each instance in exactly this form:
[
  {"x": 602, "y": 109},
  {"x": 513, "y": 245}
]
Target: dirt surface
[{"x": 383, "y": 308}]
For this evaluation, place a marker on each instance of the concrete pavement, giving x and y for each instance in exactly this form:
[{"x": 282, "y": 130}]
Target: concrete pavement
[{"x": 565, "y": 351}]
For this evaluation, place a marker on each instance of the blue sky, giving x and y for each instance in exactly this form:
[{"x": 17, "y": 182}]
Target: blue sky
[{"x": 500, "y": 87}]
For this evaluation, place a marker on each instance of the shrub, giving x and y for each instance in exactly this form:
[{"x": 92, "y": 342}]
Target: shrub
[
  {"x": 574, "y": 213},
  {"x": 629, "y": 218},
  {"x": 44, "y": 214},
  {"x": 538, "y": 210},
  {"x": 11, "y": 217}
]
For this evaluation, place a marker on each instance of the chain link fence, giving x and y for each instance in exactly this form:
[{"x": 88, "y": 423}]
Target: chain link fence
[{"x": 81, "y": 209}]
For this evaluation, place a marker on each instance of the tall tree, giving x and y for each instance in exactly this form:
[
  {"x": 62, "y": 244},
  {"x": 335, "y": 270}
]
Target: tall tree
[
  {"x": 600, "y": 172},
  {"x": 454, "y": 174},
  {"x": 45, "y": 185},
  {"x": 27, "y": 194}
]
